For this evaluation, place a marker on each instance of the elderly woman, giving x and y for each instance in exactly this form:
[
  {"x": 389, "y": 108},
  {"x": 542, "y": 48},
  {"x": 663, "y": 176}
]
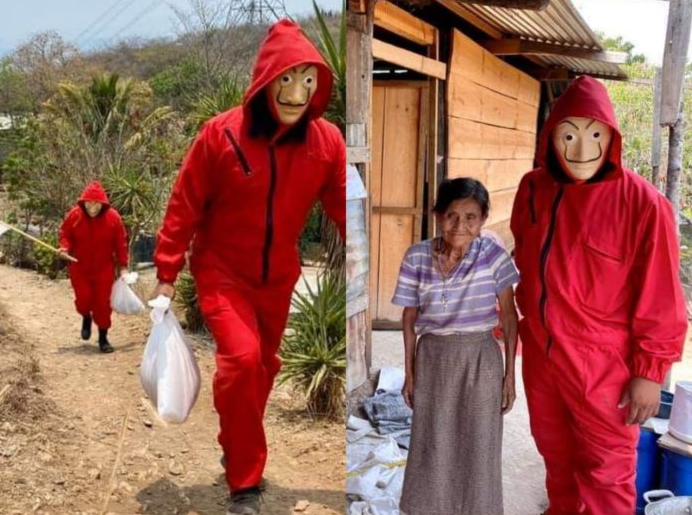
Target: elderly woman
[{"x": 455, "y": 381}]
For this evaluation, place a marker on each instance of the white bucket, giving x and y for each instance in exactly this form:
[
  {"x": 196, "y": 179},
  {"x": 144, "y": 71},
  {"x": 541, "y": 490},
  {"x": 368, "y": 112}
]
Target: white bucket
[{"x": 681, "y": 413}]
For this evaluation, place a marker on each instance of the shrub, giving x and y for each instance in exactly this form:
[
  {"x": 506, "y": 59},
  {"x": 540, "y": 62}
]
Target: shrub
[{"x": 314, "y": 347}]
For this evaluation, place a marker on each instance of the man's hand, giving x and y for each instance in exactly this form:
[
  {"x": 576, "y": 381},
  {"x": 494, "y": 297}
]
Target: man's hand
[
  {"x": 407, "y": 390},
  {"x": 123, "y": 272},
  {"x": 508, "y": 393},
  {"x": 64, "y": 253},
  {"x": 643, "y": 396},
  {"x": 166, "y": 289}
]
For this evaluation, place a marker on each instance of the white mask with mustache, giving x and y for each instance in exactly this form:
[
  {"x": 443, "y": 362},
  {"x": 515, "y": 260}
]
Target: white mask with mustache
[
  {"x": 582, "y": 146},
  {"x": 290, "y": 93}
]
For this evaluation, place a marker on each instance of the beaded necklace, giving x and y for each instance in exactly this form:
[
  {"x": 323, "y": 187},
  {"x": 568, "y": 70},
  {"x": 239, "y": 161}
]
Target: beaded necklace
[{"x": 450, "y": 274}]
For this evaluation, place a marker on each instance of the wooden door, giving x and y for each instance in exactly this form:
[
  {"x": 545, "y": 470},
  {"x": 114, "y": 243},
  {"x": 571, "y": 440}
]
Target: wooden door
[{"x": 399, "y": 134}]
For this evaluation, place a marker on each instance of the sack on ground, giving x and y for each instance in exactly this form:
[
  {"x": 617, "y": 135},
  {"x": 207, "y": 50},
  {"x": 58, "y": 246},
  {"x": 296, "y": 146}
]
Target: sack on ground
[
  {"x": 123, "y": 299},
  {"x": 169, "y": 372}
]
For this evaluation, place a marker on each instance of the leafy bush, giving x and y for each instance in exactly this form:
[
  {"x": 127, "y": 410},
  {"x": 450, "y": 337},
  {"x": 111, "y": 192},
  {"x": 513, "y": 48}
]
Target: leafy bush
[
  {"x": 186, "y": 298},
  {"x": 314, "y": 347},
  {"x": 47, "y": 262}
]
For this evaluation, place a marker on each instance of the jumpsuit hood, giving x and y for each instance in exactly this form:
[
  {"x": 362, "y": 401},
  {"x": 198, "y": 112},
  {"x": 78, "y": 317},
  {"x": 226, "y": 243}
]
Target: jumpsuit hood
[
  {"x": 585, "y": 97},
  {"x": 94, "y": 192},
  {"x": 285, "y": 47}
]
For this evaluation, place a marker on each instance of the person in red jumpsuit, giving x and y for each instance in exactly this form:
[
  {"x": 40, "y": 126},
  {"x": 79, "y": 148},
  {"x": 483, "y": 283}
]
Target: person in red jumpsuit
[
  {"x": 242, "y": 197},
  {"x": 94, "y": 234},
  {"x": 604, "y": 312}
]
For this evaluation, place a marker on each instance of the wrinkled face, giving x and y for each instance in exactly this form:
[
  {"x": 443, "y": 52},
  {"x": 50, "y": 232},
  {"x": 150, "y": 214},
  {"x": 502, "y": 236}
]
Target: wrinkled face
[
  {"x": 290, "y": 93},
  {"x": 92, "y": 208},
  {"x": 582, "y": 146},
  {"x": 461, "y": 223}
]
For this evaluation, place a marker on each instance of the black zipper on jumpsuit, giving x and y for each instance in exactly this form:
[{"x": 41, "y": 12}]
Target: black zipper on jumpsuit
[
  {"x": 544, "y": 260},
  {"x": 269, "y": 235},
  {"x": 241, "y": 157}
]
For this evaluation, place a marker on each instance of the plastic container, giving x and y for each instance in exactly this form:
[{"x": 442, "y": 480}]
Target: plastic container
[
  {"x": 666, "y": 404},
  {"x": 648, "y": 466},
  {"x": 663, "y": 502},
  {"x": 676, "y": 472},
  {"x": 681, "y": 413}
]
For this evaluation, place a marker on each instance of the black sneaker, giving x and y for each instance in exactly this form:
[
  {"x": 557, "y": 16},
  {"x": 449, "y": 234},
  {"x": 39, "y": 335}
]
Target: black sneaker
[
  {"x": 86, "y": 327},
  {"x": 104, "y": 346},
  {"x": 245, "y": 502}
]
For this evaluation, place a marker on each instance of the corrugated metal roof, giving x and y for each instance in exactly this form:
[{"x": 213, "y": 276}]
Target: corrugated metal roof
[{"x": 559, "y": 23}]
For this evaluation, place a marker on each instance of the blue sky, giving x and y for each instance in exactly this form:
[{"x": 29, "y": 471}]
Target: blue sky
[{"x": 92, "y": 23}]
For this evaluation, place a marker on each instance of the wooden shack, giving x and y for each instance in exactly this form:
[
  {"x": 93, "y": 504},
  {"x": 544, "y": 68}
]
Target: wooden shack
[{"x": 448, "y": 88}]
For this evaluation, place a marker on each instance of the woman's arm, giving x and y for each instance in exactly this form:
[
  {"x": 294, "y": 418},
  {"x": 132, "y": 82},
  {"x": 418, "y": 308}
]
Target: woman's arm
[
  {"x": 510, "y": 322},
  {"x": 408, "y": 321}
]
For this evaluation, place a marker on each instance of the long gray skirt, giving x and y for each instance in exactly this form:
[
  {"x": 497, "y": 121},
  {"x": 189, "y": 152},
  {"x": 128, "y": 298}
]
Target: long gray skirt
[{"x": 454, "y": 464}]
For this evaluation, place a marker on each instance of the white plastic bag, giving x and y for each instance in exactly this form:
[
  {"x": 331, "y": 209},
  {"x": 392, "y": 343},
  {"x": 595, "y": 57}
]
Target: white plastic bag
[
  {"x": 123, "y": 299},
  {"x": 169, "y": 373}
]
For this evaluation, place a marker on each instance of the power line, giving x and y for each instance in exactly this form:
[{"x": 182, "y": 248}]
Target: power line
[
  {"x": 138, "y": 17},
  {"x": 98, "y": 19},
  {"x": 108, "y": 22}
]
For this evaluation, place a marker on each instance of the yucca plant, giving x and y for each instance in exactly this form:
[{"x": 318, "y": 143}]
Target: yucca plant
[
  {"x": 228, "y": 94},
  {"x": 314, "y": 347},
  {"x": 186, "y": 298}
]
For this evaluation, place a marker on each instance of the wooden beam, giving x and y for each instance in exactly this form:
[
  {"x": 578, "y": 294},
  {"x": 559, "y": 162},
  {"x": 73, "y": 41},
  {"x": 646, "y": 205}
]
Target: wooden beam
[
  {"x": 516, "y": 46},
  {"x": 408, "y": 59},
  {"x": 357, "y": 155},
  {"x": 674, "y": 59},
  {"x": 470, "y": 17},
  {"x": 404, "y": 24},
  {"x": 548, "y": 74}
]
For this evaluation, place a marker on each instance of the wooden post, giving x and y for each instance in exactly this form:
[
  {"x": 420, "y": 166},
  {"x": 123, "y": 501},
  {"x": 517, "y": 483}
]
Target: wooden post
[
  {"x": 656, "y": 138},
  {"x": 675, "y": 58},
  {"x": 359, "y": 29},
  {"x": 672, "y": 80},
  {"x": 677, "y": 135}
]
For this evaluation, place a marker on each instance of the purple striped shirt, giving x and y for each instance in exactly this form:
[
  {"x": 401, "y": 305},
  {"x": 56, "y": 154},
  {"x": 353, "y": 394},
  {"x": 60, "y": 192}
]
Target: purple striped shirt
[{"x": 464, "y": 302}]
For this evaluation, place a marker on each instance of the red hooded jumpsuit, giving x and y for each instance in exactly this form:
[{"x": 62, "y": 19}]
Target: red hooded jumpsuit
[
  {"x": 245, "y": 200},
  {"x": 602, "y": 303},
  {"x": 97, "y": 243}
]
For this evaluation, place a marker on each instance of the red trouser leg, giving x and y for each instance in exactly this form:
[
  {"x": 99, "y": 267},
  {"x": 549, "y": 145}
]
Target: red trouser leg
[
  {"x": 103, "y": 285},
  {"x": 552, "y": 429},
  {"x": 83, "y": 293},
  {"x": 607, "y": 457},
  {"x": 272, "y": 317},
  {"x": 579, "y": 429},
  {"x": 245, "y": 326}
]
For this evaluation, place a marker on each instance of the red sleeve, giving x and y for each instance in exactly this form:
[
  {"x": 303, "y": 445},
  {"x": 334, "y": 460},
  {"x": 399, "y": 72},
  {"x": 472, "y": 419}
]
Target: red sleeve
[
  {"x": 120, "y": 241},
  {"x": 333, "y": 193},
  {"x": 659, "y": 323},
  {"x": 65, "y": 232},
  {"x": 190, "y": 192}
]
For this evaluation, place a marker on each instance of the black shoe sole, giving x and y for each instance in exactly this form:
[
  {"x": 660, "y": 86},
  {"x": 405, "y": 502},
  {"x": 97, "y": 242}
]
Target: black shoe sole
[{"x": 86, "y": 335}]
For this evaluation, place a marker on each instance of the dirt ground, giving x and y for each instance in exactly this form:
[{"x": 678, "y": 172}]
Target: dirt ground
[{"x": 68, "y": 414}]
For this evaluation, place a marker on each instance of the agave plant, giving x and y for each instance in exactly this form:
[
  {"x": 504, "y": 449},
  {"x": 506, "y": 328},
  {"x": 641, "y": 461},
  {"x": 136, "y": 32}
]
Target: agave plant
[
  {"x": 335, "y": 54},
  {"x": 314, "y": 347}
]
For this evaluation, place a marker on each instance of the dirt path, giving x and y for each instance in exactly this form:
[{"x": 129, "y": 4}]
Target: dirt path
[{"x": 62, "y": 415}]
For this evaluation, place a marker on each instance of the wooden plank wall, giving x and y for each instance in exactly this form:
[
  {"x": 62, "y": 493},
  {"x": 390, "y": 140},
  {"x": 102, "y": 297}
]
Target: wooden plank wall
[{"x": 492, "y": 114}]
